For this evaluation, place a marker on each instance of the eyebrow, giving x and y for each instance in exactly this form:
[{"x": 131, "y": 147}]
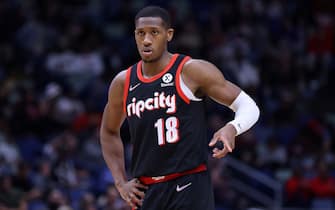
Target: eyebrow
[{"x": 150, "y": 27}]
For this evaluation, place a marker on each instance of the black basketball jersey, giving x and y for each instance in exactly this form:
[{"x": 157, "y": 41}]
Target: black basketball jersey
[{"x": 168, "y": 130}]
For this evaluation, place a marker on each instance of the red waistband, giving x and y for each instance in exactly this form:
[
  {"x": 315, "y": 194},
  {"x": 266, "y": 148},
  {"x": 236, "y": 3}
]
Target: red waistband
[{"x": 147, "y": 180}]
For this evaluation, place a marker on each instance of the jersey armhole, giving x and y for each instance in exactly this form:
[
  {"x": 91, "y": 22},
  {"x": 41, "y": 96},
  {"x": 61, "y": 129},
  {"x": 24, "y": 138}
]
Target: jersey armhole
[
  {"x": 184, "y": 92},
  {"x": 125, "y": 89},
  {"x": 187, "y": 92}
]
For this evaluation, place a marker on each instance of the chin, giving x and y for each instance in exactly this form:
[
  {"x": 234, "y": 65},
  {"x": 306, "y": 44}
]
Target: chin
[{"x": 148, "y": 60}]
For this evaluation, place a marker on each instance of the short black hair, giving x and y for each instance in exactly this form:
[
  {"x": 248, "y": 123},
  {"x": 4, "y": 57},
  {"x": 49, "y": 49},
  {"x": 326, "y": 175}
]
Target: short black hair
[{"x": 155, "y": 11}]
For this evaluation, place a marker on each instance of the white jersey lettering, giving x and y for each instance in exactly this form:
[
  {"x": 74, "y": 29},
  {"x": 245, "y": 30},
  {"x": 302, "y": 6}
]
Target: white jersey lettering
[{"x": 159, "y": 101}]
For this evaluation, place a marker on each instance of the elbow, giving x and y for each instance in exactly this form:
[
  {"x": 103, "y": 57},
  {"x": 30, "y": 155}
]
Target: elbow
[
  {"x": 104, "y": 134},
  {"x": 107, "y": 134},
  {"x": 101, "y": 133}
]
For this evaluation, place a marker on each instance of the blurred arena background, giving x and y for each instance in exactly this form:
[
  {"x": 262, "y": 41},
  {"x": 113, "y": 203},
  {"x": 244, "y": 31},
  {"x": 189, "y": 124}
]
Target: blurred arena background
[{"x": 57, "y": 58}]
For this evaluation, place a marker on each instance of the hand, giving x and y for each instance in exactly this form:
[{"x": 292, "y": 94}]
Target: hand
[
  {"x": 132, "y": 193},
  {"x": 227, "y": 136}
]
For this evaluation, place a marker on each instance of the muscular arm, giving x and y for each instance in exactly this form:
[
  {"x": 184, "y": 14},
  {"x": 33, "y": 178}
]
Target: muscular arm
[
  {"x": 203, "y": 78},
  {"x": 112, "y": 146},
  {"x": 112, "y": 119}
]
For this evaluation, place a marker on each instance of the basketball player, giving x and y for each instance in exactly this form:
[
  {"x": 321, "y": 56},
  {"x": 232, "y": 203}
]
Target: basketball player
[{"x": 162, "y": 97}]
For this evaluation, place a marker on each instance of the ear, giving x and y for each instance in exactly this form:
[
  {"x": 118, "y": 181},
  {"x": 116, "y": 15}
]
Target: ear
[{"x": 170, "y": 33}]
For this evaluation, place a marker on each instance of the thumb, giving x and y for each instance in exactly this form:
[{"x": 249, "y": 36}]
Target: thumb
[{"x": 213, "y": 141}]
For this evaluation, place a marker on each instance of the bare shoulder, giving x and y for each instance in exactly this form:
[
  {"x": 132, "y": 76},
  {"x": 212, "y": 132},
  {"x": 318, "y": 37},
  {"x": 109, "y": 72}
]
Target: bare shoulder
[
  {"x": 199, "y": 64},
  {"x": 199, "y": 73},
  {"x": 118, "y": 82},
  {"x": 113, "y": 114},
  {"x": 204, "y": 78},
  {"x": 201, "y": 69},
  {"x": 120, "y": 78}
]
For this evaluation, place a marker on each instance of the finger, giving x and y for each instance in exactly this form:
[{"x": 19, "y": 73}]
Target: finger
[
  {"x": 215, "y": 151},
  {"x": 141, "y": 186},
  {"x": 139, "y": 193},
  {"x": 128, "y": 200},
  {"x": 227, "y": 144},
  {"x": 125, "y": 197},
  {"x": 220, "y": 153},
  {"x": 213, "y": 141},
  {"x": 135, "y": 200}
]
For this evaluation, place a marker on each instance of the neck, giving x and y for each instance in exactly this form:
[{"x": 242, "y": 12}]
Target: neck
[{"x": 150, "y": 69}]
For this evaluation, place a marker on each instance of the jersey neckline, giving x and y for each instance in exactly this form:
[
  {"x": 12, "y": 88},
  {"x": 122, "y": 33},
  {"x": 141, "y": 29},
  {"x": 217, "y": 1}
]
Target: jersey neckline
[{"x": 155, "y": 77}]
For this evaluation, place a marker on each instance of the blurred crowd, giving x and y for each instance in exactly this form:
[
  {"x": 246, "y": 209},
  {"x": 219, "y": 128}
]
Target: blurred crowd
[{"x": 57, "y": 59}]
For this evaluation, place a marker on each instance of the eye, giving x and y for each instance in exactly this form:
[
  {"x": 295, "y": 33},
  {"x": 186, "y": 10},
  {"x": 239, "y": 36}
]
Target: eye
[
  {"x": 140, "y": 33},
  {"x": 154, "y": 32}
]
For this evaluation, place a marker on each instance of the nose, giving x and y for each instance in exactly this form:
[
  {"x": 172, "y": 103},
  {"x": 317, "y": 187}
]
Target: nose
[{"x": 147, "y": 40}]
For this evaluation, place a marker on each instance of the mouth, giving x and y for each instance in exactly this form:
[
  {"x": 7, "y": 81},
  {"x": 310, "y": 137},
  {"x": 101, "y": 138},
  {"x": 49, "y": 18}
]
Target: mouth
[{"x": 147, "y": 51}]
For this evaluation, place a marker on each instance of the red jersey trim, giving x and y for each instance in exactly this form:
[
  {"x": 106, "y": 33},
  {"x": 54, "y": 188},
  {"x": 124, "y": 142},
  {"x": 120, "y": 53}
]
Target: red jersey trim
[
  {"x": 125, "y": 89},
  {"x": 158, "y": 179},
  {"x": 153, "y": 78},
  {"x": 178, "y": 75}
]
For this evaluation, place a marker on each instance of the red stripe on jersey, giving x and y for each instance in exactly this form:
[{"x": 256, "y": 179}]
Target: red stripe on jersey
[
  {"x": 178, "y": 75},
  {"x": 158, "y": 179},
  {"x": 125, "y": 89},
  {"x": 153, "y": 78}
]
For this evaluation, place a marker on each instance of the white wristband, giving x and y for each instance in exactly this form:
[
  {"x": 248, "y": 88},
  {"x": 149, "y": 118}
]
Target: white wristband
[{"x": 246, "y": 113}]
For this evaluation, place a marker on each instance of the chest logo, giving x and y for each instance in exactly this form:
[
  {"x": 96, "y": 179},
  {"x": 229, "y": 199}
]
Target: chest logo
[
  {"x": 167, "y": 78},
  {"x": 131, "y": 88}
]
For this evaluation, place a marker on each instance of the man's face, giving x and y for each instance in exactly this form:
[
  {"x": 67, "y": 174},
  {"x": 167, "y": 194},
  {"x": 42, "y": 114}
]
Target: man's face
[{"x": 151, "y": 37}]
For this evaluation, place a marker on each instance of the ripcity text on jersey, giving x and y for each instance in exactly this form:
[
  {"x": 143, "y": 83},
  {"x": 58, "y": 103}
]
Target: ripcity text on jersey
[{"x": 167, "y": 129}]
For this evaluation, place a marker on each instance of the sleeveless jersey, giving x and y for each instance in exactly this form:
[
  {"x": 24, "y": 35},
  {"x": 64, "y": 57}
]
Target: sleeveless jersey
[{"x": 167, "y": 129}]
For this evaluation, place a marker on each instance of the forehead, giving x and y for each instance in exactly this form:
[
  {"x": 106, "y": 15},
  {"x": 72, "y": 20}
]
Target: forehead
[{"x": 151, "y": 22}]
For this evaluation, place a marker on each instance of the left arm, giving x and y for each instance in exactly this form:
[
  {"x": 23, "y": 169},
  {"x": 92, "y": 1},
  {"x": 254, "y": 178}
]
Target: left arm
[{"x": 203, "y": 78}]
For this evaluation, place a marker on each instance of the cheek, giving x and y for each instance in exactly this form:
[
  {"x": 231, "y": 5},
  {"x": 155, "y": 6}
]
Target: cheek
[
  {"x": 137, "y": 41},
  {"x": 161, "y": 43}
]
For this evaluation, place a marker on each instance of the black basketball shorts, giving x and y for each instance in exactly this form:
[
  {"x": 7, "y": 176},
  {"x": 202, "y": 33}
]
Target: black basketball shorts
[{"x": 189, "y": 192}]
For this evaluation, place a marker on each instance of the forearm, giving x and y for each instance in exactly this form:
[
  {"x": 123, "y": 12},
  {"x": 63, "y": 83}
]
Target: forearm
[
  {"x": 246, "y": 113},
  {"x": 113, "y": 153}
]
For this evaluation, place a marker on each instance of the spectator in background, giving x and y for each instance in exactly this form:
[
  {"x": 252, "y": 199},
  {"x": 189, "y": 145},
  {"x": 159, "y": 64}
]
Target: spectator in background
[
  {"x": 272, "y": 155},
  {"x": 297, "y": 190},
  {"x": 111, "y": 200},
  {"x": 43, "y": 177},
  {"x": 322, "y": 187},
  {"x": 11, "y": 197},
  {"x": 87, "y": 202},
  {"x": 9, "y": 150},
  {"x": 56, "y": 199}
]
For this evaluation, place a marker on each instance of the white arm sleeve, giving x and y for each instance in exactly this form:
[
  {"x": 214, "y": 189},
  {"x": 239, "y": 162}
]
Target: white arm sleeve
[{"x": 246, "y": 112}]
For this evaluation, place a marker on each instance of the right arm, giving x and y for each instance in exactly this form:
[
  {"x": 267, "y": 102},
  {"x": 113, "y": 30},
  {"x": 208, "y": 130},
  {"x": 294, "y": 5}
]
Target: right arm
[
  {"x": 112, "y": 119},
  {"x": 111, "y": 143}
]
